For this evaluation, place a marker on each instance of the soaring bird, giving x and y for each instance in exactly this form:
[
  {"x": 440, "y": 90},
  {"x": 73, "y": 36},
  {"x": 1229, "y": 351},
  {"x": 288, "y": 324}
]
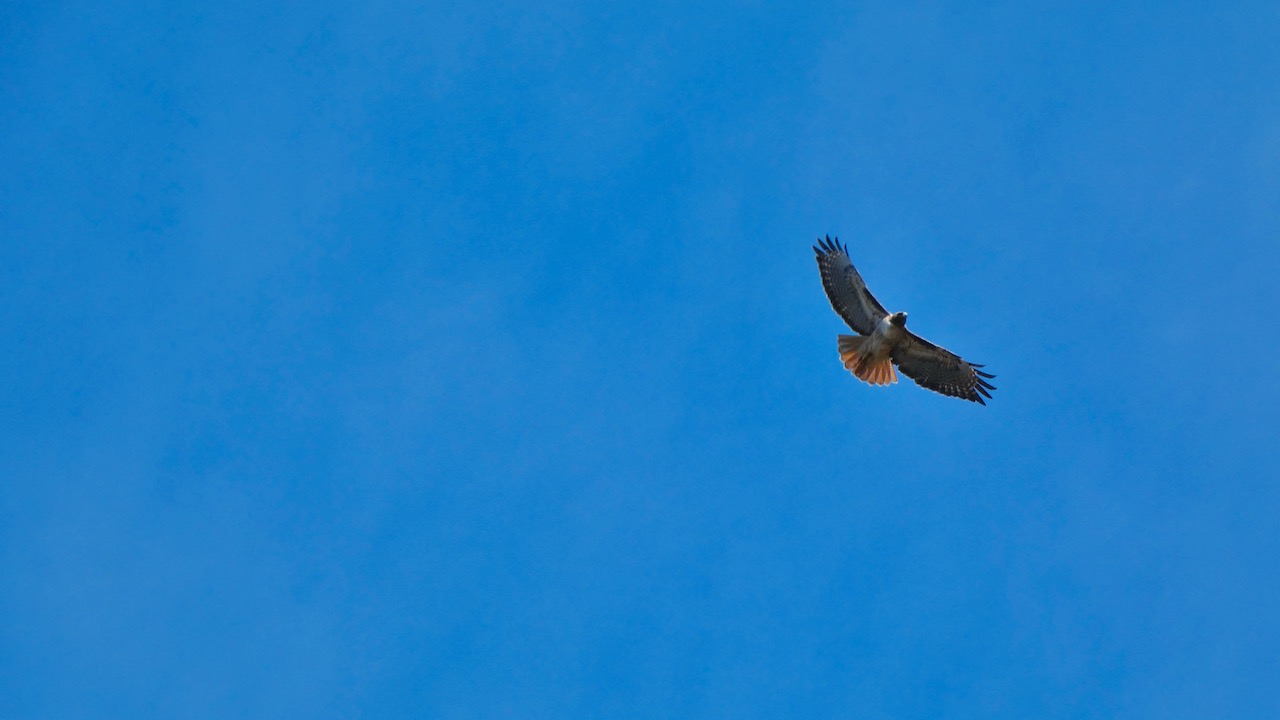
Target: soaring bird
[{"x": 883, "y": 339}]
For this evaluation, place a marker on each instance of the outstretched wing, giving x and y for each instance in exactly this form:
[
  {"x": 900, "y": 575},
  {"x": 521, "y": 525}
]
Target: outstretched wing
[
  {"x": 848, "y": 294},
  {"x": 940, "y": 370}
]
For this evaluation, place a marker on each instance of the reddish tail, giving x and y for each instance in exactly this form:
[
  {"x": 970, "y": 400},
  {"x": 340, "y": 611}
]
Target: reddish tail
[{"x": 874, "y": 372}]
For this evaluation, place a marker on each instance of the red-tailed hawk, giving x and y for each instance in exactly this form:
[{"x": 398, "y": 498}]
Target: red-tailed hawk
[{"x": 883, "y": 339}]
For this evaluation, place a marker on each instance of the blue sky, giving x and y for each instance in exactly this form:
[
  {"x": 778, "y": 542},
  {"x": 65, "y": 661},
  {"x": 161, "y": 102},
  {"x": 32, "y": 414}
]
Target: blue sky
[{"x": 470, "y": 360}]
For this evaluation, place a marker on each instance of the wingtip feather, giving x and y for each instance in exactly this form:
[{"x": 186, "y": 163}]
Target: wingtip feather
[{"x": 828, "y": 245}]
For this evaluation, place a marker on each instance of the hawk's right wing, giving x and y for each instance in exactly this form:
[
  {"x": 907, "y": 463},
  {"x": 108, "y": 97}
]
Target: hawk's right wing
[
  {"x": 847, "y": 292},
  {"x": 941, "y": 370}
]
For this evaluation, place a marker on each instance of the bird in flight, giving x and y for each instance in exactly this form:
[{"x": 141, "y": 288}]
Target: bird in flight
[{"x": 883, "y": 339}]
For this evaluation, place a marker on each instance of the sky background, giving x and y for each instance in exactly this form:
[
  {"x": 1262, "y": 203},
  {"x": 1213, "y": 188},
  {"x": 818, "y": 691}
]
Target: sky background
[{"x": 469, "y": 360}]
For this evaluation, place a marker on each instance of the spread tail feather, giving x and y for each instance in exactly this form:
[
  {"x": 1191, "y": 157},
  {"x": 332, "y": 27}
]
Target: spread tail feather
[{"x": 873, "y": 373}]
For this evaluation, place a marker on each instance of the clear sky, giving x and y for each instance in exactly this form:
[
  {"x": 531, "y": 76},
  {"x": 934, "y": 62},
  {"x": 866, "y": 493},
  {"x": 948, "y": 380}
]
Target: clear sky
[{"x": 469, "y": 360}]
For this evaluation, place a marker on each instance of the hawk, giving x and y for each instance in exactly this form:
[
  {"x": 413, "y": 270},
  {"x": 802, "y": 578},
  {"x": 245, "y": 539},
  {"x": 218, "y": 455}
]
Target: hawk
[{"x": 883, "y": 339}]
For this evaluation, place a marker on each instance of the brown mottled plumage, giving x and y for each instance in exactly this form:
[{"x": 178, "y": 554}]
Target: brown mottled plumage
[{"x": 883, "y": 339}]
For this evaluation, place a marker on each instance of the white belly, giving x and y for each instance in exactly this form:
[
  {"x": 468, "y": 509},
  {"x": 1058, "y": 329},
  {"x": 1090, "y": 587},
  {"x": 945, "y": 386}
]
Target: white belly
[{"x": 881, "y": 340}]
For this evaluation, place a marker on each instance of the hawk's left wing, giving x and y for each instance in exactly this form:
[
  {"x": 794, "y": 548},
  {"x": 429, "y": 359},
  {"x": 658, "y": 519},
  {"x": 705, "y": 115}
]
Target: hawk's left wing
[
  {"x": 845, "y": 289},
  {"x": 940, "y": 370}
]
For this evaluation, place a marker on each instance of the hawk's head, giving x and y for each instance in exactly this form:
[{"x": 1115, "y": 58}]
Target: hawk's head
[{"x": 899, "y": 319}]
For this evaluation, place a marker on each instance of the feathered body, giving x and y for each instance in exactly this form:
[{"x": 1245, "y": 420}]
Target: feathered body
[
  {"x": 883, "y": 339},
  {"x": 870, "y": 358}
]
